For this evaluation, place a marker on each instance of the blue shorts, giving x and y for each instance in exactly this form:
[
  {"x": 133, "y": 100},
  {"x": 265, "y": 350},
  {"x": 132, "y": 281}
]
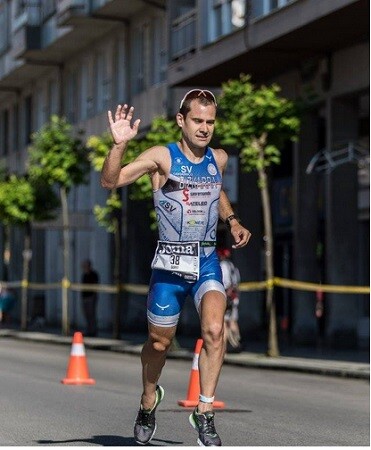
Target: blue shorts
[{"x": 168, "y": 291}]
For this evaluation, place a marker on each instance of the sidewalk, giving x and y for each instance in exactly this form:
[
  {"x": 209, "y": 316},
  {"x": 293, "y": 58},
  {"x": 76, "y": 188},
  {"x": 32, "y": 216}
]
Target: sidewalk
[{"x": 339, "y": 363}]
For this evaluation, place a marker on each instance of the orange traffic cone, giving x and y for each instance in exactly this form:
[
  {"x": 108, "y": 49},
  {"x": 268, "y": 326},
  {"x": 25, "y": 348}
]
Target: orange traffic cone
[
  {"x": 77, "y": 370},
  {"x": 194, "y": 382}
]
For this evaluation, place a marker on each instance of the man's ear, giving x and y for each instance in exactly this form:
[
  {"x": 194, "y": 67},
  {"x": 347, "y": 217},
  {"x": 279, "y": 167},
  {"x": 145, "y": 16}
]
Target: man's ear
[{"x": 180, "y": 120}]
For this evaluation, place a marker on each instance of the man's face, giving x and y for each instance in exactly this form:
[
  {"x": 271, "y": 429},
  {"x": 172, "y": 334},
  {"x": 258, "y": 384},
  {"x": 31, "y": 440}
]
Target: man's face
[{"x": 198, "y": 126}]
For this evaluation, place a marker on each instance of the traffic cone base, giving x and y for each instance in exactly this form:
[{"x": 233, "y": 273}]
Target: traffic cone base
[
  {"x": 194, "y": 383},
  {"x": 77, "y": 370},
  {"x": 77, "y": 381},
  {"x": 193, "y": 404}
]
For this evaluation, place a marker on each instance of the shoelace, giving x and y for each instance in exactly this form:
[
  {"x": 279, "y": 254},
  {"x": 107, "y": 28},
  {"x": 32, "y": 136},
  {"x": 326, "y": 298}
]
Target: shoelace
[
  {"x": 209, "y": 426},
  {"x": 144, "y": 418}
]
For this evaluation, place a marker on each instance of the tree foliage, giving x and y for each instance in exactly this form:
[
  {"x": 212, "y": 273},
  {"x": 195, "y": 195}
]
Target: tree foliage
[
  {"x": 23, "y": 201},
  {"x": 57, "y": 156},
  {"x": 250, "y": 113},
  {"x": 16, "y": 200}
]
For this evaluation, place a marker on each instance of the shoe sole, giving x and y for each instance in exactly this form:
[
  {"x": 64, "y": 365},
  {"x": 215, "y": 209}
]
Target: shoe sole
[
  {"x": 162, "y": 395},
  {"x": 150, "y": 439}
]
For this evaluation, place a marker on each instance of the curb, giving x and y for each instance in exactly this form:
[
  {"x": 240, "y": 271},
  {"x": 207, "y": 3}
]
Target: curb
[{"x": 245, "y": 359}]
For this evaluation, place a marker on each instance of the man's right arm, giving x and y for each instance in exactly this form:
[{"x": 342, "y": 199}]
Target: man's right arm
[
  {"x": 112, "y": 166},
  {"x": 113, "y": 175}
]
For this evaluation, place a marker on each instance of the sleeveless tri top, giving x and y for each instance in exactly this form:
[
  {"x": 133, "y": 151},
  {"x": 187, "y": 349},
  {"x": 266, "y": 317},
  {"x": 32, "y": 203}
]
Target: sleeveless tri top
[{"x": 187, "y": 205}]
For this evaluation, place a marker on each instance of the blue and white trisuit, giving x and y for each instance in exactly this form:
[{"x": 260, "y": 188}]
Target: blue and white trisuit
[{"x": 186, "y": 261}]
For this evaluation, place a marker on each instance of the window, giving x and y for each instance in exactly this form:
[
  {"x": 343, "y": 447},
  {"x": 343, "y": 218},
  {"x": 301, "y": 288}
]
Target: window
[
  {"x": 4, "y": 131},
  {"x": 263, "y": 7},
  {"x": 184, "y": 31},
  {"x": 48, "y": 8},
  {"x": 27, "y": 119},
  {"x": 158, "y": 51},
  {"x": 122, "y": 66},
  {"x": 227, "y": 16},
  {"x": 39, "y": 108},
  {"x": 19, "y": 8},
  {"x": 102, "y": 83},
  {"x": 84, "y": 83},
  {"x": 52, "y": 103},
  {"x": 138, "y": 74},
  {"x": 71, "y": 97},
  {"x": 4, "y": 25},
  {"x": 16, "y": 127}
]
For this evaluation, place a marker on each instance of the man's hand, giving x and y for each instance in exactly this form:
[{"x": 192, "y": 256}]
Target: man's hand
[
  {"x": 240, "y": 234},
  {"x": 121, "y": 128}
]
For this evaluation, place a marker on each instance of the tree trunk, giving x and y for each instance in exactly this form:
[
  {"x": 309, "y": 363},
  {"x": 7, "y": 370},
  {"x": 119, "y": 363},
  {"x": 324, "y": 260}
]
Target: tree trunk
[
  {"x": 117, "y": 281},
  {"x": 66, "y": 280},
  {"x": 269, "y": 267},
  {"x": 25, "y": 276}
]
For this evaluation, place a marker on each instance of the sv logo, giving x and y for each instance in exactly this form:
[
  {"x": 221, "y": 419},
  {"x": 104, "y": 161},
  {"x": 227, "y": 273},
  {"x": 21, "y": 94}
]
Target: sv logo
[{"x": 167, "y": 206}]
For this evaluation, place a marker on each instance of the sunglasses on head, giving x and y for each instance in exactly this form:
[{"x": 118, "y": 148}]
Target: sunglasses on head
[{"x": 194, "y": 93}]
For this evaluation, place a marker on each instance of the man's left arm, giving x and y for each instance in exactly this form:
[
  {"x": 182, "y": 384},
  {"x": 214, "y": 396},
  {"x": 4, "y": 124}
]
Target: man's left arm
[{"x": 240, "y": 234}]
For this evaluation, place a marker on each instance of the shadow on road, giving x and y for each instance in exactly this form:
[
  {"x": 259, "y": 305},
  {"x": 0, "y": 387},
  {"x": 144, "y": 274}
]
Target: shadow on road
[{"x": 106, "y": 441}]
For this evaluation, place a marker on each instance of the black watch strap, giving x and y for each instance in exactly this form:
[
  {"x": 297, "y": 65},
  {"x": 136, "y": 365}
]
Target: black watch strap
[{"x": 230, "y": 218}]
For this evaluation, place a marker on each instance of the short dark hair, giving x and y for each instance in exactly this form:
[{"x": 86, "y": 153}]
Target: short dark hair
[{"x": 204, "y": 97}]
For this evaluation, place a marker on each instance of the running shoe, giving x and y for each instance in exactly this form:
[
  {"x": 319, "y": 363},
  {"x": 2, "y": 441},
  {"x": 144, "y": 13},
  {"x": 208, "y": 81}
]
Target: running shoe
[
  {"x": 145, "y": 424},
  {"x": 204, "y": 424}
]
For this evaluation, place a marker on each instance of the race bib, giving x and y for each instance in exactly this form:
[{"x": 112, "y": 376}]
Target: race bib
[{"x": 182, "y": 258}]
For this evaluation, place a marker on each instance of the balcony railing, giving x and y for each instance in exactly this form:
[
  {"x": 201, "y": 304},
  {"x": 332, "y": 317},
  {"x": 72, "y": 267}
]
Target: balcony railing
[
  {"x": 183, "y": 34},
  {"x": 67, "y": 10}
]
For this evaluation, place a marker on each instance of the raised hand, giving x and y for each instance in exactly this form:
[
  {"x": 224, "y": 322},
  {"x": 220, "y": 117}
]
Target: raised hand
[{"x": 121, "y": 128}]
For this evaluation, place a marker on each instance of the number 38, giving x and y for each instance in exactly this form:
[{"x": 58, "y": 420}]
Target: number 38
[{"x": 174, "y": 259}]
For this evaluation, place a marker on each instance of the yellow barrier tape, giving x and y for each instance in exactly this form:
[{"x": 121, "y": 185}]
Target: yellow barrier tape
[
  {"x": 135, "y": 288},
  {"x": 44, "y": 286},
  {"x": 109, "y": 288},
  {"x": 302, "y": 285},
  {"x": 11, "y": 284},
  {"x": 142, "y": 289},
  {"x": 253, "y": 286}
]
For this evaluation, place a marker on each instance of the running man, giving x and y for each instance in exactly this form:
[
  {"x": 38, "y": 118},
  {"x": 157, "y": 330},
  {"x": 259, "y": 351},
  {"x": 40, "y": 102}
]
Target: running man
[{"x": 188, "y": 199}]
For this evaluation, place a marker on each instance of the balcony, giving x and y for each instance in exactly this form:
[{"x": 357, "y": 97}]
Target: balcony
[
  {"x": 78, "y": 12},
  {"x": 72, "y": 12},
  {"x": 271, "y": 43}
]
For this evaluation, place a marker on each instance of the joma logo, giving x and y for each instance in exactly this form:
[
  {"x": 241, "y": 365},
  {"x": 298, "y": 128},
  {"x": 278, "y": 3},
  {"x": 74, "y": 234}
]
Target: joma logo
[{"x": 177, "y": 249}]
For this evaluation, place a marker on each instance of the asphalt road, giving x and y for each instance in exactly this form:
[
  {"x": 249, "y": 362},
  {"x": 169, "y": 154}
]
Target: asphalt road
[{"x": 263, "y": 408}]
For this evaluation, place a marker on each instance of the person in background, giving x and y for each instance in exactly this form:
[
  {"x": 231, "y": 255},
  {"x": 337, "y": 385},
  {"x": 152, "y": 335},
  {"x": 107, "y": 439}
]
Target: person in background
[
  {"x": 7, "y": 302},
  {"x": 231, "y": 281},
  {"x": 89, "y": 298}
]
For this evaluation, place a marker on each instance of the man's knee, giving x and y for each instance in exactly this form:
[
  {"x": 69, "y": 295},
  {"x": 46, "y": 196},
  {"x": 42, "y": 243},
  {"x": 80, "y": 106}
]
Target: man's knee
[
  {"x": 160, "y": 342},
  {"x": 213, "y": 331}
]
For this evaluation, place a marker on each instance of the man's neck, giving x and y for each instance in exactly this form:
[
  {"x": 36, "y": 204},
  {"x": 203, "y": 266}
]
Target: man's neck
[{"x": 194, "y": 154}]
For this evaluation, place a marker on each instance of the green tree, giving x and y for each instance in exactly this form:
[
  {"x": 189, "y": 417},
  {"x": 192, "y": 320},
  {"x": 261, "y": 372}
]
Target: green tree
[
  {"x": 58, "y": 157},
  {"x": 22, "y": 202},
  {"x": 258, "y": 121}
]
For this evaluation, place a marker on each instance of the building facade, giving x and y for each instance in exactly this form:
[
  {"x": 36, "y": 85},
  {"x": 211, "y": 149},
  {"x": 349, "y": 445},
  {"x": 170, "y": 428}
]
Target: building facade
[{"x": 79, "y": 58}]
